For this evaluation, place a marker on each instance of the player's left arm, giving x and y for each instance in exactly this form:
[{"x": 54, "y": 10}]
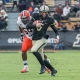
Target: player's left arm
[
  {"x": 55, "y": 30},
  {"x": 21, "y": 33},
  {"x": 20, "y": 29},
  {"x": 30, "y": 25}
]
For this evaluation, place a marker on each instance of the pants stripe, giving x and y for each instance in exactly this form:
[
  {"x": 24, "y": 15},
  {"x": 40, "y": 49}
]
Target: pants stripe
[{"x": 41, "y": 46}]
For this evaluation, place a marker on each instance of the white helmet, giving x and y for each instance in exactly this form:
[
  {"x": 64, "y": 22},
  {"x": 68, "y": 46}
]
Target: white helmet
[
  {"x": 44, "y": 8},
  {"x": 36, "y": 10}
]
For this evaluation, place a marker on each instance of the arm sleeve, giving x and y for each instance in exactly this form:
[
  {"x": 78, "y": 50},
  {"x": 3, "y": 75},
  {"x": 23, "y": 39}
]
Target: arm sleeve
[
  {"x": 29, "y": 25},
  {"x": 55, "y": 30}
]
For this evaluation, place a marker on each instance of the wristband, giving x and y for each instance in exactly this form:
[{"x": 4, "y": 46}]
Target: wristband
[{"x": 57, "y": 36}]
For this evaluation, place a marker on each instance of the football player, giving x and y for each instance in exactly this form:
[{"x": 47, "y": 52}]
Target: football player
[
  {"x": 40, "y": 24},
  {"x": 26, "y": 37}
]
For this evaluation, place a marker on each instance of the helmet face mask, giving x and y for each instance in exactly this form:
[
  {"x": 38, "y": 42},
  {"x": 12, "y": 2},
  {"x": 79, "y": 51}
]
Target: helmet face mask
[
  {"x": 25, "y": 19},
  {"x": 44, "y": 14}
]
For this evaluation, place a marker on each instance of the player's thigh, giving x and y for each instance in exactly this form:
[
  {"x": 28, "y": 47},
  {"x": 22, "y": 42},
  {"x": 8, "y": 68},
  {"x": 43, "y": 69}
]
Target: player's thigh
[
  {"x": 26, "y": 44},
  {"x": 38, "y": 45}
]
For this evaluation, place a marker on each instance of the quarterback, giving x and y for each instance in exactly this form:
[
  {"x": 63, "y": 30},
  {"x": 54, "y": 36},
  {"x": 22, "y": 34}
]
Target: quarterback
[{"x": 40, "y": 23}]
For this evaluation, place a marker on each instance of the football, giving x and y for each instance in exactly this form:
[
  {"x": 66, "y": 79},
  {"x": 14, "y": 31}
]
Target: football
[{"x": 37, "y": 21}]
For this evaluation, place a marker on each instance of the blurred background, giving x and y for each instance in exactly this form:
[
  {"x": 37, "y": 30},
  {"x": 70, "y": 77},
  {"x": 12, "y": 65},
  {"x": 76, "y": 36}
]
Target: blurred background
[{"x": 67, "y": 20}]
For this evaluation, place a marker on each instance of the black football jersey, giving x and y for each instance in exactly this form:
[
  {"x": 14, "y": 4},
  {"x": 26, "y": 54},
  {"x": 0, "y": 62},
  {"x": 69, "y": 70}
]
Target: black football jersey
[{"x": 40, "y": 32}]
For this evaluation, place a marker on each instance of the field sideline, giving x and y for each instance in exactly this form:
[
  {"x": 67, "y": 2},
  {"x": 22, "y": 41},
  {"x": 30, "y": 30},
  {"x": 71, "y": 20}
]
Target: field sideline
[{"x": 67, "y": 63}]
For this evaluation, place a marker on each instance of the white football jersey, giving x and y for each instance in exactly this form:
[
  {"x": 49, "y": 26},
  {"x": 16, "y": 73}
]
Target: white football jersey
[
  {"x": 20, "y": 24},
  {"x": 26, "y": 32}
]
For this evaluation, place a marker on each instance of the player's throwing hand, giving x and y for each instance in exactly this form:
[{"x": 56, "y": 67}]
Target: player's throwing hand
[{"x": 37, "y": 23}]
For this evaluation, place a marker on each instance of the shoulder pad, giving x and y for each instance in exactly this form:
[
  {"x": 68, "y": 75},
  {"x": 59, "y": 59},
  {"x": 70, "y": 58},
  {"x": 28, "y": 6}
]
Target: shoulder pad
[{"x": 50, "y": 19}]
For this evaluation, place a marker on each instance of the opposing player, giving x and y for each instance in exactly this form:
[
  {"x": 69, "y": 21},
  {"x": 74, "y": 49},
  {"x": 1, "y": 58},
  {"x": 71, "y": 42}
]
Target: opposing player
[
  {"x": 39, "y": 23},
  {"x": 26, "y": 38}
]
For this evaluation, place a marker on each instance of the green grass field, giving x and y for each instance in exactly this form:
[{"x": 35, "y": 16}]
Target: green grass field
[{"x": 66, "y": 62}]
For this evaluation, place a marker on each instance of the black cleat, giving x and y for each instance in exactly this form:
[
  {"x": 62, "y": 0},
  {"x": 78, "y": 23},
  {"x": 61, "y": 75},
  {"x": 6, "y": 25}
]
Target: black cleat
[
  {"x": 43, "y": 69},
  {"x": 53, "y": 72}
]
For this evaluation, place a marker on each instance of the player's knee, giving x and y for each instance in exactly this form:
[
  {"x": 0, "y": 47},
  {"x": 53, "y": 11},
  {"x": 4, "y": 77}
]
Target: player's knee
[
  {"x": 24, "y": 49},
  {"x": 33, "y": 50},
  {"x": 45, "y": 57}
]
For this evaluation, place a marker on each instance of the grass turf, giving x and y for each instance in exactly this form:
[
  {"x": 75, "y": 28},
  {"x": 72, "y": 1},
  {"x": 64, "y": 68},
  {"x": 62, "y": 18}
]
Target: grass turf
[{"x": 66, "y": 62}]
